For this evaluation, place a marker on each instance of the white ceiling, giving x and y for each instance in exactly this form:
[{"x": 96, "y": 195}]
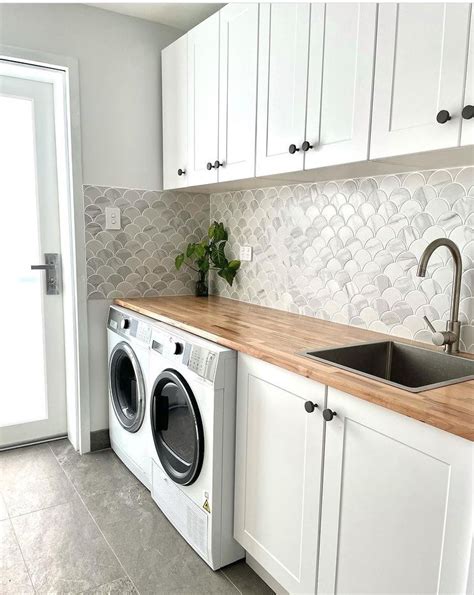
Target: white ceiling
[{"x": 175, "y": 14}]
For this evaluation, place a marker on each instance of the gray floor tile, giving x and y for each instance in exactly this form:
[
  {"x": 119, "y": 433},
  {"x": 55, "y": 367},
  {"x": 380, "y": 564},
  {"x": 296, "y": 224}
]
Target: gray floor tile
[
  {"x": 14, "y": 577},
  {"x": 121, "y": 585},
  {"x": 32, "y": 479},
  {"x": 155, "y": 556},
  {"x": 96, "y": 472},
  {"x": 62, "y": 449},
  {"x": 27, "y": 461},
  {"x": 245, "y": 579},
  {"x": 63, "y": 549},
  {"x": 27, "y": 494},
  {"x": 3, "y": 509}
]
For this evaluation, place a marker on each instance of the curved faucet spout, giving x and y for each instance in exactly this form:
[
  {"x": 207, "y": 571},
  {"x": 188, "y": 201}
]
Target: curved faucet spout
[{"x": 457, "y": 275}]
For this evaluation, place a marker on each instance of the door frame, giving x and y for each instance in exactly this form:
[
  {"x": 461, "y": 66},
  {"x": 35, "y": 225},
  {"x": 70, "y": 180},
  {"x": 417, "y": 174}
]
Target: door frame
[{"x": 69, "y": 156}]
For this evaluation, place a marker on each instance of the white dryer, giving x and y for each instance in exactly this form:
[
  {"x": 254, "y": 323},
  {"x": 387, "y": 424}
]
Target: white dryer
[
  {"x": 128, "y": 337},
  {"x": 192, "y": 419}
]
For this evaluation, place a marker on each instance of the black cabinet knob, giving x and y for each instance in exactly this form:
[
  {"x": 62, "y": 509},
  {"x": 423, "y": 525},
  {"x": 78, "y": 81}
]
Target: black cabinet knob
[
  {"x": 292, "y": 149},
  {"x": 468, "y": 112},
  {"x": 310, "y": 407},
  {"x": 181, "y": 172},
  {"x": 443, "y": 116},
  {"x": 216, "y": 165},
  {"x": 306, "y": 146},
  {"x": 328, "y": 414}
]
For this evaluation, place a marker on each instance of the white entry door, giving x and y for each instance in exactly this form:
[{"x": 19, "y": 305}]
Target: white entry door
[{"x": 33, "y": 391}]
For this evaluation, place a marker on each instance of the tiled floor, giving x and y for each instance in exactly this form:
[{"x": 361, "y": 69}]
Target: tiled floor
[{"x": 72, "y": 524}]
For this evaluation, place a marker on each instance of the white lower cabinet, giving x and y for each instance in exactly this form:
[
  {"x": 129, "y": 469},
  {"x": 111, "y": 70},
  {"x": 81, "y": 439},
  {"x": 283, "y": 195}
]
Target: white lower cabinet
[
  {"x": 395, "y": 515},
  {"x": 278, "y": 471},
  {"x": 397, "y": 503}
]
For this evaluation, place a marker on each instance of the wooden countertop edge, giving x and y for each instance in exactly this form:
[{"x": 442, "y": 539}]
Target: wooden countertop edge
[{"x": 354, "y": 384}]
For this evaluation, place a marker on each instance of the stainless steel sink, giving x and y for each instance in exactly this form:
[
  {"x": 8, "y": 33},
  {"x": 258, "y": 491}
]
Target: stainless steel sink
[{"x": 412, "y": 368}]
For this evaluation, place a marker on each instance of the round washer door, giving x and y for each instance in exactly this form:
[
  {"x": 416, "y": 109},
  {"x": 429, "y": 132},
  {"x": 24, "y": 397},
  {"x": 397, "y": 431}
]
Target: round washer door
[
  {"x": 177, "y": 427},
  {"x": 127, "y": 387}
]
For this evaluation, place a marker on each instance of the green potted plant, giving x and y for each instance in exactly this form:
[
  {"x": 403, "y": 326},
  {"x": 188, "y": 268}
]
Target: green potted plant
[{"x": 209, "y": 254}]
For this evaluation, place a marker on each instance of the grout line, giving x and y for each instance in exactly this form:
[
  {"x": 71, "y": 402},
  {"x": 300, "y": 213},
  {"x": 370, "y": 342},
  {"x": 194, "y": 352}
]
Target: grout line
[
  {"x": 98, "y": 528},
  {"x": 230, "y": 581},
  {"x": 18, "y": 516},
  {"x": 22, "y": 556}
]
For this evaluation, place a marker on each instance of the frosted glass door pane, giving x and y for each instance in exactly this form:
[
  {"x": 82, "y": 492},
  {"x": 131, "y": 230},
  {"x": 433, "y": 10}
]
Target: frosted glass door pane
[{"x": 23, "y": 392}]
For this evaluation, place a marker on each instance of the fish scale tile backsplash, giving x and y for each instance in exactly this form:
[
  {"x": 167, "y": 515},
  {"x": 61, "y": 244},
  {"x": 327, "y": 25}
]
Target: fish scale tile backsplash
[
  {"x": 138, "y": 260},
  {"x": 348, "y": 250}
]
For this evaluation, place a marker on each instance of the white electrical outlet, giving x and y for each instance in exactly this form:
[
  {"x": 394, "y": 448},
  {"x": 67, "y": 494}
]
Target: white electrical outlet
[
  {"x": 246, "y": 253},
  {"x": 112, "y": 218}
]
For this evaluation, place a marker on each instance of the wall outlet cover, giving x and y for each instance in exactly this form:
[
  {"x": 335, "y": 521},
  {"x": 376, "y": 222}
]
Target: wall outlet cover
[
  {"x": 112, "y": 218},
  {"x": 246, "y": 253}
]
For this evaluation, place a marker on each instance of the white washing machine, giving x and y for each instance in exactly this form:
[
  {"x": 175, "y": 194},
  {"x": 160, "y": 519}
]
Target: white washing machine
[
  {"x": 192, "y": 419},
  {"x": 128, "y": 337}
]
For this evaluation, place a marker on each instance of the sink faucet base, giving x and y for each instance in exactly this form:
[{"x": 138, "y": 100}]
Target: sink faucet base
[{"x": 453, "y": 327}]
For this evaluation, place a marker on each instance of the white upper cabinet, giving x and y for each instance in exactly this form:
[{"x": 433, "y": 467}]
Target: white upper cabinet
[
  {"x": 420, "y": 72},
  {"x": 278, "y": 471},
  {"x": 340, "y": 75},
  {"x": 238, "y": 91},
  {"x": 467, "y": 135},
  {"x": 397, "y": 504},
  {"x": 285, "y": 87},
  {"x": 175, "y": 113},
  {"x": 282, "y": 79},
  {"x": 203, "y": 101}
]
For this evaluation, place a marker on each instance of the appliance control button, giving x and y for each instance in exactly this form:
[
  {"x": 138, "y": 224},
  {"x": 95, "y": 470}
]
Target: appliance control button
[
  {"x": 177, "y": 348},
  {"x": 125, "y": 323}
]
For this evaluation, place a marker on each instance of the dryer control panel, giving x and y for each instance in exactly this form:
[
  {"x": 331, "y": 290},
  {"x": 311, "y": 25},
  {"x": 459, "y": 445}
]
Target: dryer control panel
[
  {"x": 200, "y": 360},
  {"x": 128, "y": 326}
]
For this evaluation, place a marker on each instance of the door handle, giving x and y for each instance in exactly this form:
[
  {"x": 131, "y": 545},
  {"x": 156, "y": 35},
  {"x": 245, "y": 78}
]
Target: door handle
[
  {"x": 53, "y": 273},
  {"x": 42, "y": 267}
]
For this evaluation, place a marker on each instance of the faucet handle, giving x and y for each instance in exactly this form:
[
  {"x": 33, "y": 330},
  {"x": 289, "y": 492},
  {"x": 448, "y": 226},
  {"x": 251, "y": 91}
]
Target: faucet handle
[{"x": 440, "y": 338}]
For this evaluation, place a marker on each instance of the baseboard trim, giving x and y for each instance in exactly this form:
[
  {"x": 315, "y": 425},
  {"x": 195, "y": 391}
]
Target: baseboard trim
[
  {"x": 100, "y": 440},
  {"x": 265, "y": 576}
]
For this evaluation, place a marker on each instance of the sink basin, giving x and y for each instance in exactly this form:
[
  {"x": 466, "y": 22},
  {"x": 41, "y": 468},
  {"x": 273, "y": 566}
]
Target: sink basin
[{"x": 412, "y": 368}]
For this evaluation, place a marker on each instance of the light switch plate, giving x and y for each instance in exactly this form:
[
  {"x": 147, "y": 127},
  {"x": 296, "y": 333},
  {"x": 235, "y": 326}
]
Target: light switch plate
[
  {"x": 246, "y": 253},
  {"x": 112, "y": 218}
]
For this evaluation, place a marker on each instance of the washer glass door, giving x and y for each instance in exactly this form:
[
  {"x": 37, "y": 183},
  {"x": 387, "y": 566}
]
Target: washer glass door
[
  {"x": 177, "y": 427},
  {"x": 127, "y": 387}
]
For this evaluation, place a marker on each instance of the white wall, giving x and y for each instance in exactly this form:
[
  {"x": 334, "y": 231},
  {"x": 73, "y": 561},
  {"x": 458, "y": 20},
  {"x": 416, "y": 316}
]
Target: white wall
[
  {"x": 97, "y": 311},
  {"x": 120, "y": 83}
]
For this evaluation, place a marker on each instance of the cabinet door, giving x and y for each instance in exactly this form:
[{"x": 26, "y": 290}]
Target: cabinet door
[
  {"x": 175, "y": 113},
  {"x": 340, "y": 83},
  {"x": 238, "y": 90},
  {"x": 203, "y": 100},
  {"x": 278, "y": 471},
  {"x": 282, "y": 82},
  {"x": 397, "y": 503},
  {"x": 420, "y": 70},
  {"x": 467, "y": 135}
]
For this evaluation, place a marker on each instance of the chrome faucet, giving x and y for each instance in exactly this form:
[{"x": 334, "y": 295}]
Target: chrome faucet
[{"x": 450, "y": 337}]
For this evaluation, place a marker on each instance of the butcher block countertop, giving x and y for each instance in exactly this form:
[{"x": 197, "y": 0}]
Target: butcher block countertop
[{"x": 277, "y": 337}]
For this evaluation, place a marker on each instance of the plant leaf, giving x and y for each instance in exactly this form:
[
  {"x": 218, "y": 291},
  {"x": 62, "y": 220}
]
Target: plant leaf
[
  {"x": 190, "y": 250},
  {"x": 178, "y": 261},
  {"x": 200, "y": 250},
  {"x": 234, "y": 265}
]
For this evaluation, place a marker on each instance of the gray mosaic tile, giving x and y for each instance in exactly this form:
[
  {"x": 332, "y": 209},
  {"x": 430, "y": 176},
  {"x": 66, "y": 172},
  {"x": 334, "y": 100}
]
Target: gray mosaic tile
[
  {"x": 138, "y": 260},
  {"x": 347, "y": 251}
]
